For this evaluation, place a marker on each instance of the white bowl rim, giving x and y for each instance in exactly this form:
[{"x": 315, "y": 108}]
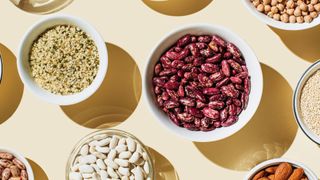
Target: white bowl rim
[
  {"x": 278, "y": 24},
  {"x": 73, "y": 98},
  {"x": 297, "y": 92},
  {"x": 152, "y": 106},
  {"x": 267, "y": 163},
  {"x": 21, "y": 158}
]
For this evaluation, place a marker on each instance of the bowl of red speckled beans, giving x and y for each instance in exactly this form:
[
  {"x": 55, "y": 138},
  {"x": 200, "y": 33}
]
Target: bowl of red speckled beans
[{"x": 203, "y": 82}]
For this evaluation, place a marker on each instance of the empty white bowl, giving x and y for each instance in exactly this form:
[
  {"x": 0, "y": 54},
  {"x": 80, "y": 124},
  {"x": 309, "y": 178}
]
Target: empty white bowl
[
  {"x": 254, "y": 71},
  {"x": 273, "y": 162},
  {"x": 22, "y": 159},
  {"x": 278, "y": 24},
  {"x": 23, "y": 59},
  {"x": 296, "y": 102}
]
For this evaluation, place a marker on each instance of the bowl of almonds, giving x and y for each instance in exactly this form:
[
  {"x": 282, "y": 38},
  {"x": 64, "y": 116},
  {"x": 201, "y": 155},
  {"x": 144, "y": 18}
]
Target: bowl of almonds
[
  {"x": 281, "y": 169},
  {"x": 286, "y": 14},
  {"x": 13, "y": 166}
]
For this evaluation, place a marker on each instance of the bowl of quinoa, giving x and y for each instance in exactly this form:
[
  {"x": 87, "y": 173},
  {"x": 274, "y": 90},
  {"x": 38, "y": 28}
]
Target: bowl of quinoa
[
  {"x": 306, "y": 102},
  {"x": 62, "y": 59}
]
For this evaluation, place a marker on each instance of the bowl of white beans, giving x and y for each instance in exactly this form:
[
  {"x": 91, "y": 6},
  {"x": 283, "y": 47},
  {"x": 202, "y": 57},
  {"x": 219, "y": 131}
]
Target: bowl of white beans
[{"x": 110, "y": 154}]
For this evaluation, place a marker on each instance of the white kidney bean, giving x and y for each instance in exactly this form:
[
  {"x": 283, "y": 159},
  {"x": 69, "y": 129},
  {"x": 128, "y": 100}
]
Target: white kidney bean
[
  {"x": 103, "y": 174},
  {"x": 101, "y": 164},
  {"x": 112, "y": 173},
  {"x": 113, "y": 142},
  {"x": 88, "y": 159},
  {"x": 75, "y": 176},
  {"x": 86, "y": 169},
  {"x": 135, "y": 157},
  {"x": 121, "y": 162},
  {"x": 121, "y": 148},
  {"x": 113, "y": 157},
  {"x": 146, "y": 168},
  {"x": 84, "y": 150},
  {"x": 102, "y": 149},
  {"x": 125, "y": 155},
  {"x": 111, "y": 164},
  {"x": 131, "y": 144}
]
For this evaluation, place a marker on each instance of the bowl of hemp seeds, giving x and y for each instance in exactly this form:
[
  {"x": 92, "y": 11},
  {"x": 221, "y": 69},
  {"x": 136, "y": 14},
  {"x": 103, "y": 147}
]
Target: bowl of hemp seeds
[
  {"x": 306, "y": 102},
  {"x": 62, "y": 59}
]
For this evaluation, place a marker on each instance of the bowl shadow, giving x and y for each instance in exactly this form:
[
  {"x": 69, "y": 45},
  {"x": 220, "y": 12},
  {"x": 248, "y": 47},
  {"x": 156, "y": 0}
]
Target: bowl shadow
[
  {"x": 177, "y": 7},
  {"x": 11, "y": 87},
  {"x": 303, "y": 43},
  {"x": 117, "y": 97},
  {"x": 39, "y": 173},
  {"x": 269, "y": 134},
  {"x": 163, "y": 169}
]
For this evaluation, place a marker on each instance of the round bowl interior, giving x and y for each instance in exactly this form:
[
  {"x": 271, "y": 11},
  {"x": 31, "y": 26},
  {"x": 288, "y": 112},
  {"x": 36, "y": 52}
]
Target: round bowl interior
[
  {"x": 253, "y": 67},
  {"x": 296, "y": 102},
  {"x": 272, "y": 162},
  {"x": 22, "y": 159},
  {"x": 278, "y": 24},
  {"x": 110, "y": 132},
  {"x": 23, "y": 59}
]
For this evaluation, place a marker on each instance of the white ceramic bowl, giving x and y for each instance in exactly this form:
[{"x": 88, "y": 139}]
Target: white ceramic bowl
[
  {"x": 296, "y": 102},
  {"x": 278, "y": 24},
  {"x": 272, "y": 162},
  {"x": 253, "y": 67},
  {"x": 22, "y": 159},
  {"x": 23, "y": 59}
]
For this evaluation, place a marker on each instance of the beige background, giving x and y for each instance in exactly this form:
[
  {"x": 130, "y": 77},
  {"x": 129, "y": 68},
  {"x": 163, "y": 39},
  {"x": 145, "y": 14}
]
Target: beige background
[{"x": 46, "y": 135}]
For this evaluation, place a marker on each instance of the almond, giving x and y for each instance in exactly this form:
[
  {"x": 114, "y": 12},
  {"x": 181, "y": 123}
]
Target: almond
[
  {"x": 271, "y": 177},
  {"x": 283, "y": 171},
  {"x": 271, "y": 170},
  {"x": 259, "y": 175},
  {"x": 297, "y": 174}
]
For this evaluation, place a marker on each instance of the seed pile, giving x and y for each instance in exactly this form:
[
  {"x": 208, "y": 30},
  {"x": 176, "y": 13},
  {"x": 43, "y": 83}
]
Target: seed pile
[
  {"x": 310, "y": 103},
  {"x": 111, "y": 157},
  {"x": 64, "y": 60},
  {"x": 289, "y": 11}
]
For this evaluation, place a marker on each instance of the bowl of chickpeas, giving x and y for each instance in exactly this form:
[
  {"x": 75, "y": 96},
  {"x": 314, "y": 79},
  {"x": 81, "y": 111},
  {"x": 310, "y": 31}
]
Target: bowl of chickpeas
[{"x": 286, "y": 14}]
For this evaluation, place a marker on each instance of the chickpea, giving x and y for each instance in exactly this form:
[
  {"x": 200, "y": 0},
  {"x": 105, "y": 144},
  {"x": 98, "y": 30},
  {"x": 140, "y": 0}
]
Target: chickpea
[
  {"x": 267, "y": 8},
  {"x": 290, "y": 11},
  {"x": 313, "y": 2},
  {"x": 280, "y": 7},
  {"x": 299, "y": 2},
  {"x": 255, "y": 3},
  {"x": 260, "y": 7},
  {"x": 304, "y": 13},
  {"x": 317, "y": 7},
  {"x": 284, "y": 18},
  {"x": 292, "y": 19},
  {"x": 274, "y": 9},
  {"x": 274, "y": 2},
  {"x": 280, "y": 1},
  {"x": 307, "y": 18},
  {"x": 299, "y": 19},
  {"x": 266, "y": 2},
  {"x": 270, "y": 14},
  {"x": 310, "y": 8},
  {"x": 276, "y": 17},
  {"x": 314, "y": 14},
  {"x": 290, "y": 4},
  {"x": 297, "y": 12},
  {"x": 303, "y": 6}
]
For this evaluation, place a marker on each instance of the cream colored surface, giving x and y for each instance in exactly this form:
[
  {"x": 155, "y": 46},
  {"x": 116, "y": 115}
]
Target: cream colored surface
[{"x": 44, "y": 134}]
